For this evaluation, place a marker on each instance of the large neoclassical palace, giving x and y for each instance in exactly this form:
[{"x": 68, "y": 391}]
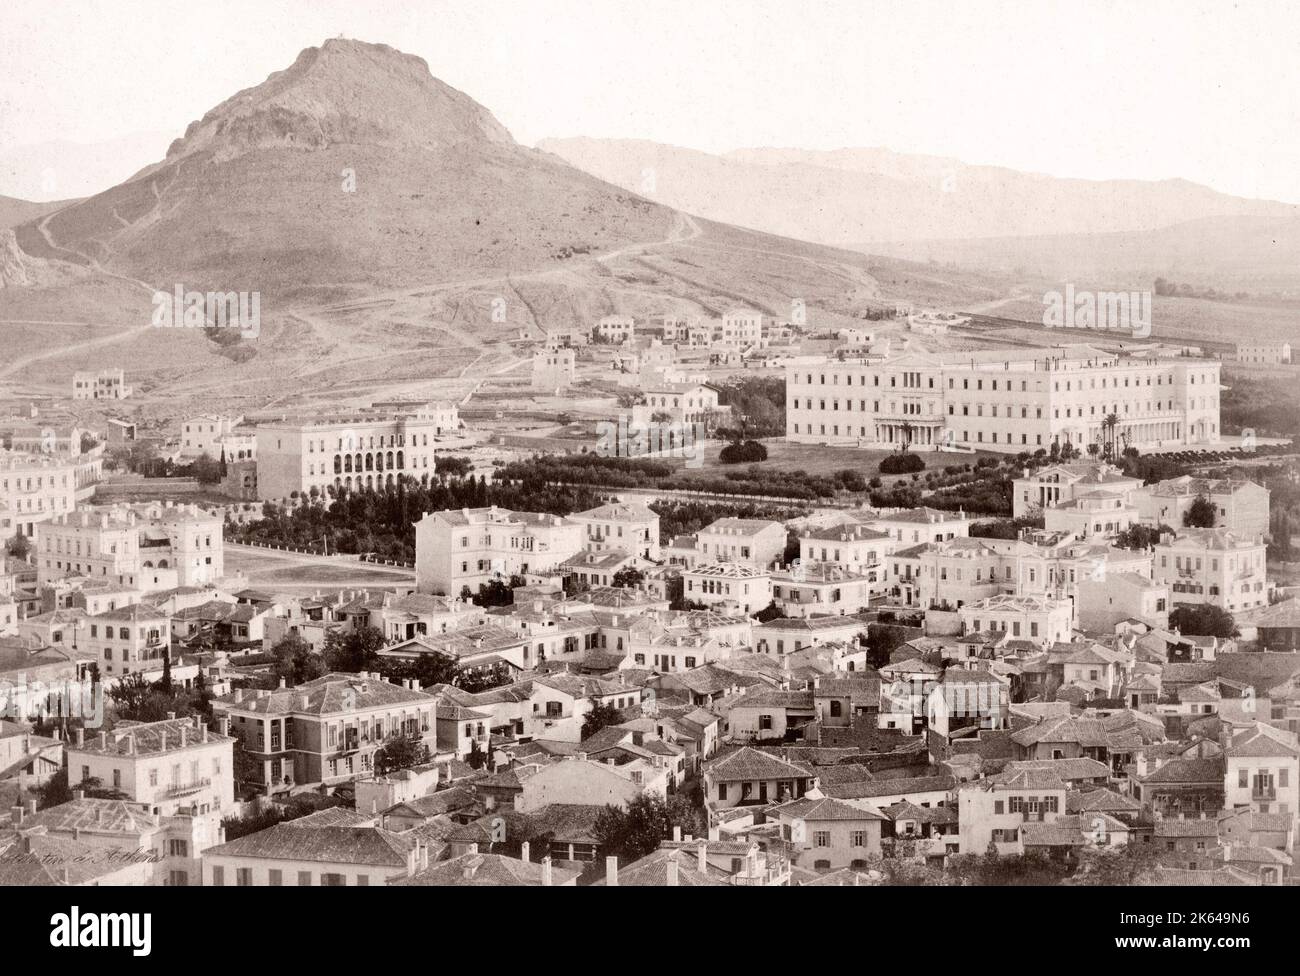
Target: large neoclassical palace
[
  {"x": 1012, "y": 400},
  {"x": 370, "y": 448}
]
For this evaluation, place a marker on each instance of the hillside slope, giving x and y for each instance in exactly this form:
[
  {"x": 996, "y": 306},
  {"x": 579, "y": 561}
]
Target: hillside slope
[{"x": 352, "y": 169}]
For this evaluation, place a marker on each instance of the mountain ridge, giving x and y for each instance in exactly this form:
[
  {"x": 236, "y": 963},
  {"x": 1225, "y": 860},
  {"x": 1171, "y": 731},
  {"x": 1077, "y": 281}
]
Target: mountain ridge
[{"x": 847, "y": 196}]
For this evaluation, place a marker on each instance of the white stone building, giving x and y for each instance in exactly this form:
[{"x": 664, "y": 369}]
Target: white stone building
[
  {"x": 470, "y": 547},
  {"x": 368, "y": 449},
  {"x": 1213, "y": 566},
  {"x": 1007, "y": 400}
]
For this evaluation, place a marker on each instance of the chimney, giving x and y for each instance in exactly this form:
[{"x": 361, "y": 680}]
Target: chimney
[
  {"x": 424, "y": 857},
  {"x": 103, "y": 740},
  {"x": 81, "y": 737},
  {"x": 702, "y": 856},
  {"x": 523, "y": 851},
  {"x": 677, "y": 834},
  {"x": 185, "y": 729},
  {"x": 546, "y": 871},
  {"x": 239, "y": 695},
  {"x": 162, "y": 744},
  {"x": 672, "y": 872},
  {"x": 171, "y": 716},
  {"x": 224, "y": 727},
  {"x": 611, "y": 872},
  {"x": 282, "y": 684}
]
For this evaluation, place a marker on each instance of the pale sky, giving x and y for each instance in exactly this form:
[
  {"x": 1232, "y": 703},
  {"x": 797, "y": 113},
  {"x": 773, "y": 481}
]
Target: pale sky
[{"x": 1146, "y": 89}]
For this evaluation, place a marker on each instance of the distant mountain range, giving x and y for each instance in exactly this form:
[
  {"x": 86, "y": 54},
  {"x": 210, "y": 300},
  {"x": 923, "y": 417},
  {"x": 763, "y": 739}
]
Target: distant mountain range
[{"x": 909, "y": 205}]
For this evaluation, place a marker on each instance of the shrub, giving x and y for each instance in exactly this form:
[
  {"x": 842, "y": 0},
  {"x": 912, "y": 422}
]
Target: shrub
[
  {"x": 741, "y": 452},
  {"x": 904, "y": 463}
]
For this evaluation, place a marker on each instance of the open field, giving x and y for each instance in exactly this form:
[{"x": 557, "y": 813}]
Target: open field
[
  {"x": 1217, "y": 325},
  {"x": 295, "y": 573}
]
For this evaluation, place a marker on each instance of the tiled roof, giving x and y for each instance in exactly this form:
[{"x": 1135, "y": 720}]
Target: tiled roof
[
  {"x": 1087, "y": 732},
  {"x": 1080, "y": 767},
  {"x": 42, "y": 859},
  {"x": 751, "y": 764},
  {"x": 900, "y": 786},
  {"x": 93, "y": 816},
  {"x": 1053, "y": 834},
  {"x": 1100, "y": 800},
  {"x": 486, "y": 871},
  {"x": 1257, "y": 742},
  {"x": 1181, "y": 878},
  {"x": 825, "y": 808},
  {"x": 1282, "y": 615},
  {"x": 332, "y": 817},
  {"x": 435, "y": 804},
  {"x": 775, "y": 698},
  {"x": 1187, "y": 771},
  {"x": 1194, "y": 827},
  {"x": 148, "y": 738},
  {"x": 652, "y": 871},
  {"x": 332, "y": 845},
  {"x": 334, "y": 693},
  {"x": 1029, "y": 779},
  {"x": 740, "y": 526}
]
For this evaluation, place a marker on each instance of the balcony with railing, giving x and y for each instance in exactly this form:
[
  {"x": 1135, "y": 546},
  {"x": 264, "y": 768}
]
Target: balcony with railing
[{"x": 184, "y": 789}]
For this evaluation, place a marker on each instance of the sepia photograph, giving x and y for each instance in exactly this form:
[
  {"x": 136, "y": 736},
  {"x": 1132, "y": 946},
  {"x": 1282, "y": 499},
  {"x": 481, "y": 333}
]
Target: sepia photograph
[{"x": 649, "y": 443}]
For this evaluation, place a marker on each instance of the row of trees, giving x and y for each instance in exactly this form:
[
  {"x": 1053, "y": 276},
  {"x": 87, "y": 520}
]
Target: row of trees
[
  {"x": 614, "y": 472},
  {"x": 383, "y": 521}
]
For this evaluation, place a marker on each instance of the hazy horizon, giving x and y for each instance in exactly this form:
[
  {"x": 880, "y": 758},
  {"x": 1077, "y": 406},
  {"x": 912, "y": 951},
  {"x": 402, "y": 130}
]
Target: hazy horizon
[{"x": 913, "y": 78}]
